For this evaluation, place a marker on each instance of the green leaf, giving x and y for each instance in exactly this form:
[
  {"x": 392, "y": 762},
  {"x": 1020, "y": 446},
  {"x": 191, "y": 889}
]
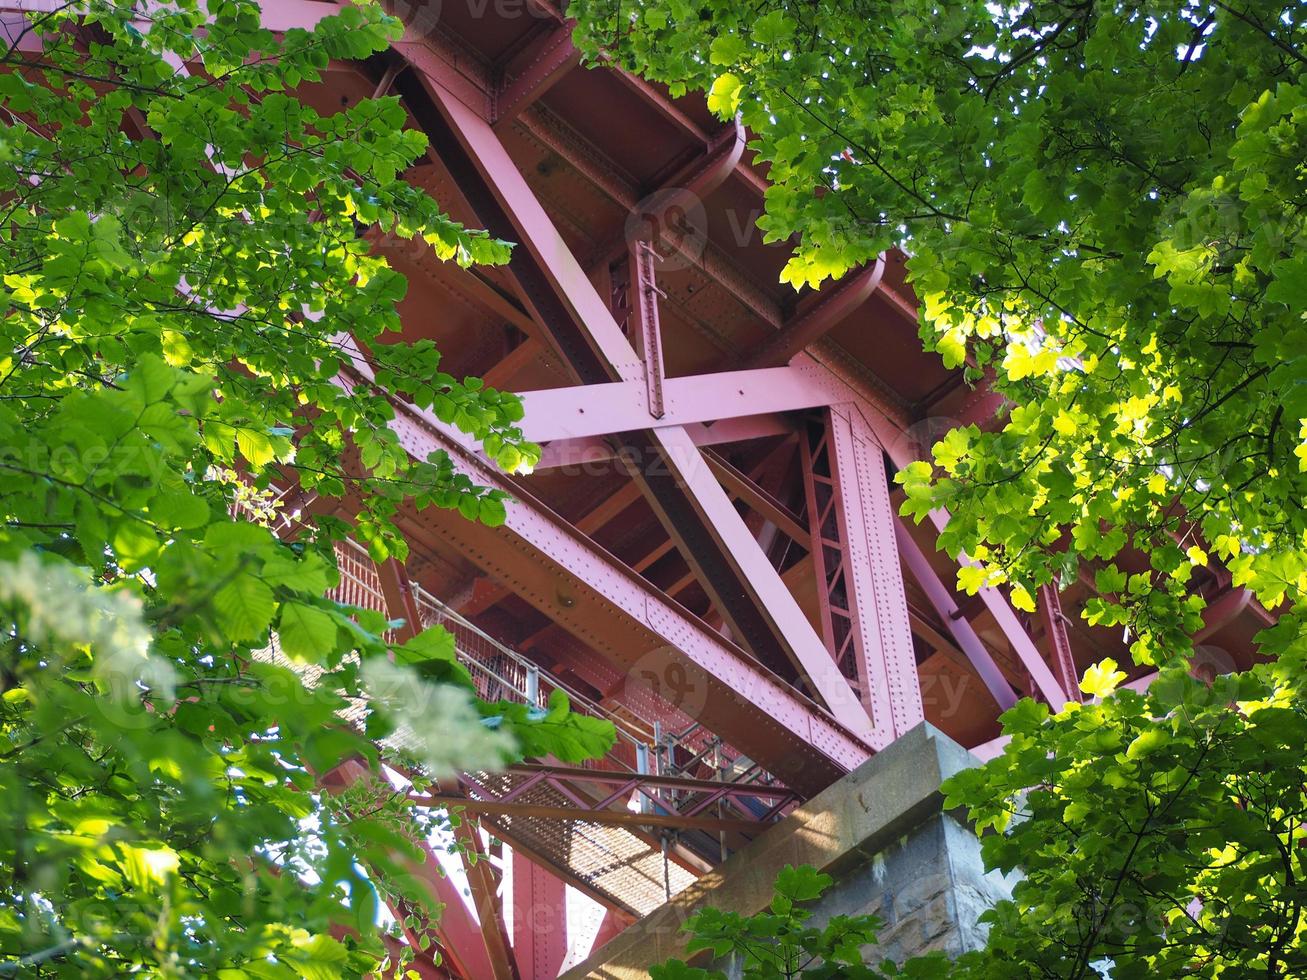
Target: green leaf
[
  {"x": 1102, "y": 679},
  {"x": 245, "y": 606},
  {"x": 305, "y": 632},
  {"x": 491, "y": 512},
  {"x": 724, "y": 96},
  {"x": 1147, "y": 742},
  {"x": 255, "y": 446},
  {"x": 802, "y": 883}
]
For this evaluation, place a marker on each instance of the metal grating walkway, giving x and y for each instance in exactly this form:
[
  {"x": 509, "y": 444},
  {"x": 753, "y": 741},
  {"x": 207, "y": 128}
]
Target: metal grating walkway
[{"x": 618, "y": 866}]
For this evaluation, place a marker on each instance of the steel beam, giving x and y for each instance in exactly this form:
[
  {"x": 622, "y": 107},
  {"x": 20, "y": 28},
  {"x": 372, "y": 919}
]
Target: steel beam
[
  {"x": 742, "y": 583},
  {"x": 632, "y": 781},
  {"x": 690, "y": 503},
  {"x": 686, "y": 190},
  {"x": 481, "y": 882},
  {"x": 478, "y": 290},
  {"x": 665, "y": 106},
  {"x": 1222, "y": 611},
  {"x": 1059, "y": 641},
  {"x": 942, "y": 599},
  {"x": 534, "y": 70},
  {"x": 502, "y": 372},
  {"x": 865, "y": 607},
  {"x": 576, "y": 814},
  {"x": 642, "y": 293},
  {"x": 539, "y": 919},
  {"x": 458, "y": 75},
  {"x": 1006, "y": 620},
  {"x": 589, "y": 451},
  {"x": 486, "y": 593},
  {"x": 556, "y": 288},
  {"x": 616, "y": 407},
  {"x": 760, "y": 500},
  {"x": 400, "y": 601},
  {"x": 593, "y": 596},
  {"x": 441, "y": 56},
  {"x": 834, "y": 304},
  {"x": 1024, "y": 647},
  {"x": 557, "y": 136},
  {"x": 886, "y": 411},
  {"x": 610, "y": 928}
]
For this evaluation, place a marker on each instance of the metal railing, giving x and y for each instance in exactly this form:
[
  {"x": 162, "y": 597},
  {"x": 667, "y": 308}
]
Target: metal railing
[
  {"x": 498, "y": 672},
  {"x": 501, "y": 673}
]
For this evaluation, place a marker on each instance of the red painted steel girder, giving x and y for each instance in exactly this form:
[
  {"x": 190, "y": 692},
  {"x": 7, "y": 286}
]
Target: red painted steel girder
[
  {"x": 621, "y": 407},
  {"x": 539, "y": 919},
  {"x": 864, "y": 606},
  {"x": 534, "y": 70},
  {"x": 942, "y": 599},
  {"x": 695, "y": 794},
  {"x": 688, "y": 500},
  {"x": 834, "y": 304},
  {"x": 587, "y": 450},
  {"x": 592, "y": 595}
]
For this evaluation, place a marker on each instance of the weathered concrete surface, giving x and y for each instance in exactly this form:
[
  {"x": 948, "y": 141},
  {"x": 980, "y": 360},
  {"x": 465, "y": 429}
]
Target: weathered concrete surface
[{"x": 880, "y": 832}]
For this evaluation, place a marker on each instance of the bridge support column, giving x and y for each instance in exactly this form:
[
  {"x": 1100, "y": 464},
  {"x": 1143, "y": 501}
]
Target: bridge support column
[
  {"x": 539, "y": 920},
  {"x": 883, "y": 835}
]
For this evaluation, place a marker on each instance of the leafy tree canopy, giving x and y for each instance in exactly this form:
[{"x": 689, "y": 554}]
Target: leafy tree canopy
[
  {"x": 1161, "y": 833},
  {"x": 1103, "y": 205},
  {"x": 187, "y": 287}
]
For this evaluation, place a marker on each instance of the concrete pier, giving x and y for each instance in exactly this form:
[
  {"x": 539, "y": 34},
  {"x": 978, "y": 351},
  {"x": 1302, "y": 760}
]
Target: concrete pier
[{"x": 883, "y": 835}]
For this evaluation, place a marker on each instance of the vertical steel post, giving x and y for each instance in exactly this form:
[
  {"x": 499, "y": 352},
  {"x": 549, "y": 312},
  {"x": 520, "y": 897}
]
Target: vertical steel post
[
  {"x": 963, "y": 632},
  {"x": 1064, "y": 663},
  {"x": 864, "y": 608},
  {"x": 532, "y": 684},
  {"x": 539, "y": 920},
  {"x": 643, "y": 768},
  {"x": 642, "y": 294}
]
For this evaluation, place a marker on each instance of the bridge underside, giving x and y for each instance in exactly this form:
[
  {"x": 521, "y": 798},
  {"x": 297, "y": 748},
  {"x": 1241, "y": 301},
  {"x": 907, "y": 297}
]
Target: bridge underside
[{"x": 708, "y": 553}]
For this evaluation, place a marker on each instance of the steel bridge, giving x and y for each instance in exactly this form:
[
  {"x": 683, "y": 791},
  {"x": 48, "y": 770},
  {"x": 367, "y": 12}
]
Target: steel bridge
[{"x": 708, "y": 554}]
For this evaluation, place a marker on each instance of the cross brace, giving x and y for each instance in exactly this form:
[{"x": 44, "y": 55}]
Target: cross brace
[{"x": 691, "y": 504}]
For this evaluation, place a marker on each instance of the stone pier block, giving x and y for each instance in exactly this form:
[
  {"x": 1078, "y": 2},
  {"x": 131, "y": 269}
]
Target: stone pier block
[{"x": 881, "y": 832}]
